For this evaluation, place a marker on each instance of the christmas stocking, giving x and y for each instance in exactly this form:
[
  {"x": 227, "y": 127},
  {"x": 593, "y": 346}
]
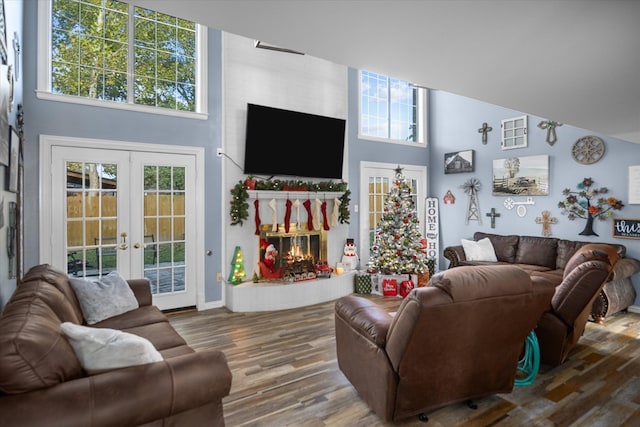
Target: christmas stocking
[
  {"x": 335, "y": 213},
  {"x": 256, "y": 203},
  {"x": 296, "y": 205},
  {"x": 316, "y": 215},
  {"x": 307, "y": 206},
  {"x": 274, "y": 216},
  {"x": 325, "y": 223},
  {"x": 287, "y": 215}
]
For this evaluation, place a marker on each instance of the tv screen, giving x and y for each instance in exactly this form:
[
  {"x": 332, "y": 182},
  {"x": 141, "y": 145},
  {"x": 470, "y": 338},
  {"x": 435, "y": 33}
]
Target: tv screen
[{"x": 291, "y": 143}]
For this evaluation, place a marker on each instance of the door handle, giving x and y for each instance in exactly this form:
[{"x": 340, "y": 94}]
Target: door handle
[
  {"x": 123, "y": 246},
  {"x": 137, "y": 246}
]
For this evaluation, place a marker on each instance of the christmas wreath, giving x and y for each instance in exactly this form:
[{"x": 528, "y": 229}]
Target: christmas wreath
[{"x": 239, "y": 206}]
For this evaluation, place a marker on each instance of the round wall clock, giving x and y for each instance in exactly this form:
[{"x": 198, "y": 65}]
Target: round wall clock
[{"x": 588, "y": 149}]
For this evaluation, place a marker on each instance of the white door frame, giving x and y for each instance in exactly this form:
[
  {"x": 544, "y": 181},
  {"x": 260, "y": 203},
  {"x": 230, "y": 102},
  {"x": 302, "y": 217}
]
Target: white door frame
[
  {"x": 46, "y": 217},
  {"x": 420, "y": 171}
]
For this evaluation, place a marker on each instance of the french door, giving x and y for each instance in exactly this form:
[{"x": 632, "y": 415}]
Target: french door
[
  {"x": 128, "y": 211},
  {"x": 376, "y": 181}
]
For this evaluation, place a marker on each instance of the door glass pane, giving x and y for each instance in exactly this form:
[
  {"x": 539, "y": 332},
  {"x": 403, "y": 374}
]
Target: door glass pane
[
  {"x": 164, "y": 223},
  {"x": 91, "y": 208}
]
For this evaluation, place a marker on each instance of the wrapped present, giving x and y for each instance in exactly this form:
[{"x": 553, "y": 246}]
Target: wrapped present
[
  {"x": 362, "y": 283},
  {"x": 389, "y": 285}
]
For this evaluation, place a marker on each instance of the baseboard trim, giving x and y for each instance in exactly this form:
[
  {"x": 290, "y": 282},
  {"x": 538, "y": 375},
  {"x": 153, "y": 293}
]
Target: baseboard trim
[{"x": 634, "y": 308}]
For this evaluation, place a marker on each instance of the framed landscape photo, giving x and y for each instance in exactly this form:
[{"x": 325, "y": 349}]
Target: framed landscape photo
[
  {"x": 525, "y": 176},
  {"x": 458, "y": 162}
]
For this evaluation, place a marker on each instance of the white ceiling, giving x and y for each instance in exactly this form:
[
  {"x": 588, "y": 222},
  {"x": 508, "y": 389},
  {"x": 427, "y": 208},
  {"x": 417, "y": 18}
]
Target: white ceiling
[{"x": 573, "y": 61}]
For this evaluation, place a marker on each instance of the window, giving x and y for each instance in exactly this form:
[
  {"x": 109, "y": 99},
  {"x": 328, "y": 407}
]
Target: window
[
  {"x": 108, "y": 51},
  {"x": 391, "y": 109},
  {"x": 514, "y": 133}
]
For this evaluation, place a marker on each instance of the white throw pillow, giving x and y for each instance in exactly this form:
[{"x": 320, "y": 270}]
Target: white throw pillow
[
  {"x": 482, "y": 250},
  {"x": 104, "y": 297},
  {"x": 100, "y": 349}
]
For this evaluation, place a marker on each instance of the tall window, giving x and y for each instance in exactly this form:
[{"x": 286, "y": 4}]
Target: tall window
[
  {"x": 391, "y": 109},
  {"x": 108, "y": 50}
]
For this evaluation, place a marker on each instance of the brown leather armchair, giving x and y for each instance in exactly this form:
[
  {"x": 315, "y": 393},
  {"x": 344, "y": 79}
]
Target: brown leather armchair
[
  {"x": 456, "y": 339},
  {"x": 585, "y": 274}
]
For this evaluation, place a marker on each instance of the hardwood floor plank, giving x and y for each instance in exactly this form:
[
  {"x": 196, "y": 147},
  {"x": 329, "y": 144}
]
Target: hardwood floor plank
[{"x": 285, "y": 373}]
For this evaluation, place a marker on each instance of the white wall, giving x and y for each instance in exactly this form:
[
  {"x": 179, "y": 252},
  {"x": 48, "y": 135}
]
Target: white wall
[{"x": 282, "y": 80}]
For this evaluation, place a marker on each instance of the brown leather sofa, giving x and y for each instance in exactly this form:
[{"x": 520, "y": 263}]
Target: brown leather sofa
[
  {"x": 560, "y": 328},
  {"x": 547, "y": 257},
  {"x": 43, "y": 384},
  {"x": 458, "y": 338}
]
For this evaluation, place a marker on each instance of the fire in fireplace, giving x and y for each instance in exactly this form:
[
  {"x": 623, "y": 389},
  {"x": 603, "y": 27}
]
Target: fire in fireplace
[{"x": 294, "y": 255}]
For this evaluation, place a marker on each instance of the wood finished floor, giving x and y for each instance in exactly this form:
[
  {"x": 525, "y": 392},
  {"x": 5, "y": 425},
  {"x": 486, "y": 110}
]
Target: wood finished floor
[{"x": 285, "y": 373}]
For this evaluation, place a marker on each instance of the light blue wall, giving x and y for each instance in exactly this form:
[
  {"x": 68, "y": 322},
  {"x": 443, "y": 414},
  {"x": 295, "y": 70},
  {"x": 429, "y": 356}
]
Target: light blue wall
[
  {"x": 454, "y": 124},
  {"x": 58, "y": 118},
  {"x": 13, "y": 21}
]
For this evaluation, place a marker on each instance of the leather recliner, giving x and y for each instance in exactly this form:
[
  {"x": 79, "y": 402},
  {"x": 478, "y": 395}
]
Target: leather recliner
[
  {"x": 458, "y": 338},
  {"x": 560, "y": 328}
]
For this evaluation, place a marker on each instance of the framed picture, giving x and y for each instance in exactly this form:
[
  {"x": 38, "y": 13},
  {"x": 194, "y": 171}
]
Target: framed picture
[
  {"x": 525, "y": 176},
  {"x": 14, "y": 160},
  {"x": 458, "y": 162}
]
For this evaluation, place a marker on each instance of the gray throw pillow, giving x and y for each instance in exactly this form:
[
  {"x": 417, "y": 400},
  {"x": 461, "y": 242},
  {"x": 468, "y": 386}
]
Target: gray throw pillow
[
  {"x": 104, "y": 297},
  {"x": 100, "y": 349}
]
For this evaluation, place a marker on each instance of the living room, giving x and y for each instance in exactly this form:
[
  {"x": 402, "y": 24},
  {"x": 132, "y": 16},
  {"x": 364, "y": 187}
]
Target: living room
[{"x": 238, "y": 73}]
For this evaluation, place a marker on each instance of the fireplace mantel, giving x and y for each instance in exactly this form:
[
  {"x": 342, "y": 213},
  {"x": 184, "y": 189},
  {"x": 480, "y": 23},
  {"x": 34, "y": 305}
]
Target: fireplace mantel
[{"x": 268, "y": 296}]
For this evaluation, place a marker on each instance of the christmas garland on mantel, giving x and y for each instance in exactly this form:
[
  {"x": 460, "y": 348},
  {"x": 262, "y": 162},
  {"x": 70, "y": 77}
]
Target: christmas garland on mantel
[{"x": 239, "y": 195}]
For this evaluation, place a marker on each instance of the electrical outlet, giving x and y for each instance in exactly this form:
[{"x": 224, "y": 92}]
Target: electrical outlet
[
  {"x": 218, "y": 277},
  {"x": 219, "y": 152}
]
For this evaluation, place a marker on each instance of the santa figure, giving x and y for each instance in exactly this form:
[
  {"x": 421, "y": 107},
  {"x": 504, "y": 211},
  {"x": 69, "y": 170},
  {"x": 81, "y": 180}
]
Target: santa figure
[
  {"x": 350, "y": 256},
  {"x": 268, "y": 268}
]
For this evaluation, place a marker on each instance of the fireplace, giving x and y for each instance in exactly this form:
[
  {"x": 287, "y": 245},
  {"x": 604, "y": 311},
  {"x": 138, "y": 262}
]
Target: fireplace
[{"x": 296, "y": 252}]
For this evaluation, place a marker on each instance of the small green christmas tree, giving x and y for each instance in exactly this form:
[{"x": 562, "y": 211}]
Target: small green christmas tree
[
  {"x": 237, "y": 267},
  {"x": 397, "y": 247}
]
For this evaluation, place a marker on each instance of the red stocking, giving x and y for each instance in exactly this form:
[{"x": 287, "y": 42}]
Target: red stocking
[
  {"x": 256, "y": 203},
  {"x": 325, "y": 223},
  {"x": 287, "y": 215},
  {"x": 307, "y": 206}
]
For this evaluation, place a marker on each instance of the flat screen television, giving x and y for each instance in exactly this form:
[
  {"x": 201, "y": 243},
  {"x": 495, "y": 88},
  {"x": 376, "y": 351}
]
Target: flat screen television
[{"x": 291, "y": 143}]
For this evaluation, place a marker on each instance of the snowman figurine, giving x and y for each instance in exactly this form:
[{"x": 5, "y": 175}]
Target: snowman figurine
[{"x": 350, "y": 256}]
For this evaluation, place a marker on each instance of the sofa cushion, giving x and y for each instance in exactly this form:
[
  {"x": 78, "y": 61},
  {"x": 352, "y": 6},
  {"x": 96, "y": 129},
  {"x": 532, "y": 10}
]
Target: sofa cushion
[
  {"x": 100, "y": 349},
  {"x": 482, "y": 250},
  {"x": 60, "y": 281},
  {"x": 104, "y": 297},
  {"x": 537, "y": 250},
  {"x": 33, "y": 352},
  {"x": 566, "y": 249},
  {"x": 505, "y": 247}
]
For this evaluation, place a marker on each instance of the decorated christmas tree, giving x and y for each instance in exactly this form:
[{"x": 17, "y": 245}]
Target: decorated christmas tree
[
  {"x": 237, "y": 267},
  {"x": 399, "y": 246}
]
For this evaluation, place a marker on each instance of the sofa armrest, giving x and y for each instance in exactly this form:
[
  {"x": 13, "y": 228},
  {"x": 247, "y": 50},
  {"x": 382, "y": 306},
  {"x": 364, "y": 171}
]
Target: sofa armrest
[
  {"x": 625, "y": 267},
  {"x": 455, "y": 255},
  {"x": 366, "y": 317},
  {"x": 142, "y": 290},
  {"x": 129, "y": 396}
]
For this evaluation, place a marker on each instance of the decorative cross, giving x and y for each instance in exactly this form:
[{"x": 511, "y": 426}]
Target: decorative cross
[
  {"x": 550, "y": 126},
  {"x": 493, "y": 216},
  {"x": 484, "y": 130},
  {"x": 546, "y": 220}
]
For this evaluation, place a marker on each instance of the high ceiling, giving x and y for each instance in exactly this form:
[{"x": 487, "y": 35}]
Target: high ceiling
[{"x": 572, "y": 61}]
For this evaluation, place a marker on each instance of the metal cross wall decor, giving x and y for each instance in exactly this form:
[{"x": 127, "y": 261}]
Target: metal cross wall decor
[
  {"x": 484, "y": 130},
  {"x": 550, "y": 126},
  {"x": 493, "y": 215}
]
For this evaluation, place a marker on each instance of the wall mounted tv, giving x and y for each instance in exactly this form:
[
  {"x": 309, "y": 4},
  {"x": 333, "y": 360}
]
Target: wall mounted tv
[{"x": 291, "y": 143}]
